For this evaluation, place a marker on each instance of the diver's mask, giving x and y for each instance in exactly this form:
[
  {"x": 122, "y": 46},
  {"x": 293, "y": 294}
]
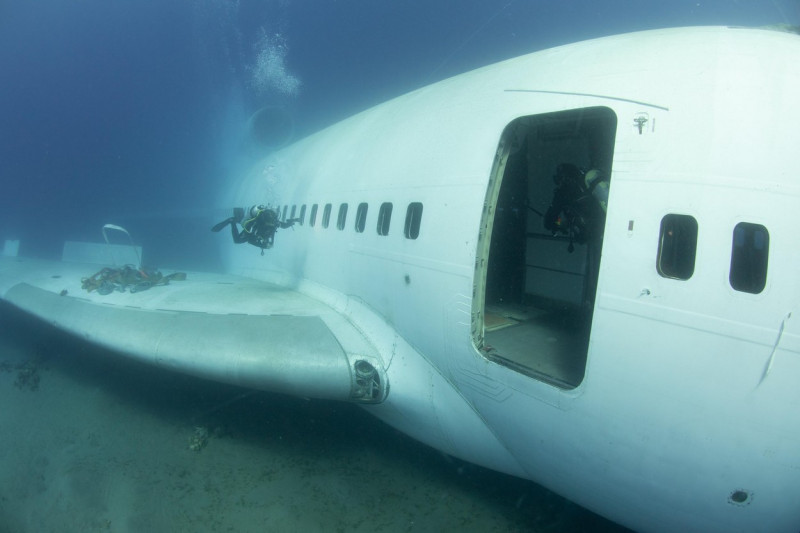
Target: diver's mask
[{"x": 253, "y": 211}]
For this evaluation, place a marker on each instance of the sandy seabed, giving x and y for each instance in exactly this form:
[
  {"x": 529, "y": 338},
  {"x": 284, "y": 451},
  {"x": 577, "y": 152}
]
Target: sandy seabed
[{"x": 91, "y": 442}]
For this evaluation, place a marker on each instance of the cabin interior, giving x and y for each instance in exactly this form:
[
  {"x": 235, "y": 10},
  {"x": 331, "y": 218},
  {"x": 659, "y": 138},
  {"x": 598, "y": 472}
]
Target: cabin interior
[{"x": 546, "y": 243}]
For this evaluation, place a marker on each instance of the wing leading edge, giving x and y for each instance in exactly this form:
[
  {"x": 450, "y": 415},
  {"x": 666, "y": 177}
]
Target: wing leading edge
[{"x": 220, "y": 327}]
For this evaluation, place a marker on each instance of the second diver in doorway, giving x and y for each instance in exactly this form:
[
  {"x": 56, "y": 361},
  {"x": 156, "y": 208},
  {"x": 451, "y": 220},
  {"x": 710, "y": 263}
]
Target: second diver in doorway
[
  {"x": 259, "y": 224},
  {"x": 578, "y": 209}
]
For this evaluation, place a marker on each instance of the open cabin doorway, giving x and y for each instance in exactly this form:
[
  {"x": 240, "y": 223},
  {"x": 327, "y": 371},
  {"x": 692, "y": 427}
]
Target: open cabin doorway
[{"x": 541, "y": 242}]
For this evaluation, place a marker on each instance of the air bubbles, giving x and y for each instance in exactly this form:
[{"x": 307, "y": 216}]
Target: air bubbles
[{"x": 270, "y": 74}]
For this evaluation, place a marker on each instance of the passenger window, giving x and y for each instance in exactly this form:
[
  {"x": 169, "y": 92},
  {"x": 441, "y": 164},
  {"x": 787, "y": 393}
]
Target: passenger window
[
  {"x": 302, "y": 214},
  {"x": 294, "y": 210},
  {"x": 313, "y": 218},
  {"x": 413, "y": 220},
  {"x": 326, "y": 216},
  {"x": 749, "y": 258},
  {"x": 384, "y": 218},
  {"x": 677, "y": 246},
  {"x": 361, "y": 217},
  {"x": 340, "y": 221}
]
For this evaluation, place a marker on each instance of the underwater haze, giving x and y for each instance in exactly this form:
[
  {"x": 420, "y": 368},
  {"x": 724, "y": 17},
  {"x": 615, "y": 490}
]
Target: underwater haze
[
  {"x": 141, "y": 113},
  {"x": 135, "y": 112}
]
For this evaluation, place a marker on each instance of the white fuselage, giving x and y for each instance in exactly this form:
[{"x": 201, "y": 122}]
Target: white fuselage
[{"x": 684, "y": 415}]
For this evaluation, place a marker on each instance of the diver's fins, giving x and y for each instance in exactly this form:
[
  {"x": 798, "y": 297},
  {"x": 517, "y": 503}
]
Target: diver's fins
[{"x": 224, "y": 223}]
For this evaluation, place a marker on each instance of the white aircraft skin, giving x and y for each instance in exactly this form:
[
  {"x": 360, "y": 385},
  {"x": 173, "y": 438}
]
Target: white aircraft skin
[{"x": 683, "y": 414}]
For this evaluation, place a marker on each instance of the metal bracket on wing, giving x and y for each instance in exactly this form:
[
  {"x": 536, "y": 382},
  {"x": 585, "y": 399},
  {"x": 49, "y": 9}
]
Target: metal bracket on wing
[{"x": 369, "y": 384}]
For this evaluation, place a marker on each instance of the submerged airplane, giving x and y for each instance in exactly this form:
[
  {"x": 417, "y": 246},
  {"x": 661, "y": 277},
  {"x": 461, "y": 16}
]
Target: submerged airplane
[{"x": 578, "y": 266}]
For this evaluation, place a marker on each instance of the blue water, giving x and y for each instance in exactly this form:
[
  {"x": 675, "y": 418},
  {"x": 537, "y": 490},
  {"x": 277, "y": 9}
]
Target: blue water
[{"x": 134, "y": 111}]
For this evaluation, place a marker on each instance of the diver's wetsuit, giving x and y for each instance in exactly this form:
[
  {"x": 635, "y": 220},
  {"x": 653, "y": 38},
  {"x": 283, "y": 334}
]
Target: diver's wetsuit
[{"x": 258, "y": 230}]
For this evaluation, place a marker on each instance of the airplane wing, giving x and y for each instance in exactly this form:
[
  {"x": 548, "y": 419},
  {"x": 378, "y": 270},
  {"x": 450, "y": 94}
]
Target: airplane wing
[{"x": 222, "y": 327}]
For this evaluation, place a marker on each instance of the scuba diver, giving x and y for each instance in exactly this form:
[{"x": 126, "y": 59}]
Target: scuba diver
[
  {"x": 578, "y": 211},
  {"x": 579, "y": 205},
  {"x": 259, "y": 227}
]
